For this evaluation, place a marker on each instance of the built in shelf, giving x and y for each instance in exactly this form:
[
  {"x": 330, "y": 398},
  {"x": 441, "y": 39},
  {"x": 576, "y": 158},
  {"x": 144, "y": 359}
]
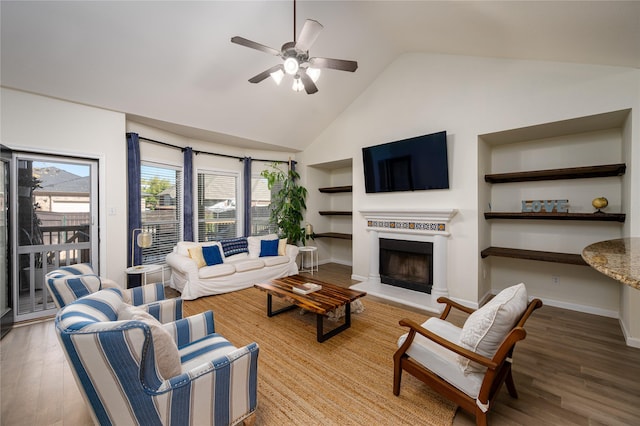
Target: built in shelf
[
  {"x": 335, "y": 213},
  {"x": 544, "y": 256},
  {"x": 602, "y": 217},
  {"x": 336, "y": 189},
  {"x": 556, "y": 174},
  {"x": 337, "y": 235}
]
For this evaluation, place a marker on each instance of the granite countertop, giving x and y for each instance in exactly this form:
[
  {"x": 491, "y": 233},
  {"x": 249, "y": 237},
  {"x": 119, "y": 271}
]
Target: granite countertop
[{"x": 618, "y": 259}]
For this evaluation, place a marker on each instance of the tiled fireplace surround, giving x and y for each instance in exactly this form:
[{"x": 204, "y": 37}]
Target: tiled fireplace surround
[{"x": 412, "y": 225}]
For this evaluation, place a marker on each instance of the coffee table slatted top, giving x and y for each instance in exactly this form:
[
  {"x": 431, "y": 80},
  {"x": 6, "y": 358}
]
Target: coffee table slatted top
[{"x": 322, "y": 301}]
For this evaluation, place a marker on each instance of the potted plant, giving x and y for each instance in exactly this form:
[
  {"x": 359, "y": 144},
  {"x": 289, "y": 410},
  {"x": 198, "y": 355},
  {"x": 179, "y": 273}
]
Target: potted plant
[{"x": 287, "y": 203}]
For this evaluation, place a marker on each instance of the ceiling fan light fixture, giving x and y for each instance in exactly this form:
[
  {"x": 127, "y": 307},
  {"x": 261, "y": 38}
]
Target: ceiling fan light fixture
[
  {"x": 277, "y": 76},
  {"x": 314, "y": 73},
  {"x": 291, "y": 66},
  {"x": 297, "y": 84}
]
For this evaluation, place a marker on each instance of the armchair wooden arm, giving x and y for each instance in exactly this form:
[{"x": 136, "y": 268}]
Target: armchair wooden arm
[
  {"x": 450, "y": 303},
  {"x": 416, "y": 328}
]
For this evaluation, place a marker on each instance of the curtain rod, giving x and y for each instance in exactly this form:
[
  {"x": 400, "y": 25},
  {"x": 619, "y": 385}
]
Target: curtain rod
[{"x": 196, "y": 152}]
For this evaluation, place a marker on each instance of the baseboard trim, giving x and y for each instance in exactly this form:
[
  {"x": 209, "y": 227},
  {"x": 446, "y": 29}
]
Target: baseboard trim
[{"x": 634, "y": 342}]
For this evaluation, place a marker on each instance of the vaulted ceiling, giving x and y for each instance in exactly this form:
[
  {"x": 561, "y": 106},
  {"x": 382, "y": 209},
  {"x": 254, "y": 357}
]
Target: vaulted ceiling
[{"x": 172, "y": 65}]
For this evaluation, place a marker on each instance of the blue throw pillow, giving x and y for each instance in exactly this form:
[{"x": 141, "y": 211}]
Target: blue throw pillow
[
  {"x": 212, "y": 255},
  {"x": 269, "y": 248}
]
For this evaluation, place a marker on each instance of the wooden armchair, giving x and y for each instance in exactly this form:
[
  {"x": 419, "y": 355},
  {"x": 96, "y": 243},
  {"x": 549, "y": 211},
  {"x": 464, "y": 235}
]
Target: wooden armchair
[{"x": 468, "y": 371}]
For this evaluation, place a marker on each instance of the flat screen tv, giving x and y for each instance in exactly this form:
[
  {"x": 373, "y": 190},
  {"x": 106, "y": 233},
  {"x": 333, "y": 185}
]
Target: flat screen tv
[{"x": 407, "y": 165}]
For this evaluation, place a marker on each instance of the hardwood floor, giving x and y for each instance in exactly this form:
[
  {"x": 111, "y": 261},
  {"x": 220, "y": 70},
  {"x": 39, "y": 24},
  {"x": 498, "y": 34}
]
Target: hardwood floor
[{"x": 572, "y": 369}]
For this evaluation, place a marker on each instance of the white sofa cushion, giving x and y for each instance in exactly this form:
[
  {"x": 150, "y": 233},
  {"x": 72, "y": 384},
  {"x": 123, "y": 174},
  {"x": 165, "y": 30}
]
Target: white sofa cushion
[
  {"x": 248, "y": 265},
  {"x": 236, "y": 258},
  {"x": 254, "y": 244},
  {"x": 442, "y": 361},
  {"x": 274, "y": 260},
  {"x": 486, "y": 328},
  {"x": 219, "y": 270}
]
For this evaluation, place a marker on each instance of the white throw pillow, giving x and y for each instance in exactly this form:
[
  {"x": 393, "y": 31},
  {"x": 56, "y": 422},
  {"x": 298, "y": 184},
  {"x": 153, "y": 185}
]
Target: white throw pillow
[
  {"x": 486, "y": 328},
  {"x": 165, "y": 348}
]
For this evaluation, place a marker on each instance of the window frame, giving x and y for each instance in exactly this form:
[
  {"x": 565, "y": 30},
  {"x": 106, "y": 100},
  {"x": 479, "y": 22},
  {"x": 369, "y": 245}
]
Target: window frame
[
  {"x": 153, "y": 251},
  {"x": 239, "y": 216}
]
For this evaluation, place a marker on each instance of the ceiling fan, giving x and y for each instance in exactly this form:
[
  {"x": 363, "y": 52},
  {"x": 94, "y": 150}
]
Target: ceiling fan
[{"x": 296, "y": 60}]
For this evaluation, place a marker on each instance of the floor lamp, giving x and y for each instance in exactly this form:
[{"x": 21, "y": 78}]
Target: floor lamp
[{"x": 144, "y": 240}]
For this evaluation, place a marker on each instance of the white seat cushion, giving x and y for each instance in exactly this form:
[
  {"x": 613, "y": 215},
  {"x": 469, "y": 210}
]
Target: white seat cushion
[
  {"x": 442, "y": 361},
  {"x": 274, "y": 260},
  {"x": 249, "y": 265},
  {"x": 486, "y": 328},
  {"x": 219, "y": 270}
]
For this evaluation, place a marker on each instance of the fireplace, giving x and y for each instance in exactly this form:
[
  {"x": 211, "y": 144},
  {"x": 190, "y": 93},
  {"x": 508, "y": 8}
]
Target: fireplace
[
  {"x": 407, "y": 264},
  {"x": 397, "y": 226}
]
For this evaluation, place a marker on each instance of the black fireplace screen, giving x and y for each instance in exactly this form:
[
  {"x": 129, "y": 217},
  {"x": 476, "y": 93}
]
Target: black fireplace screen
[{"x": 407, "y": 264}]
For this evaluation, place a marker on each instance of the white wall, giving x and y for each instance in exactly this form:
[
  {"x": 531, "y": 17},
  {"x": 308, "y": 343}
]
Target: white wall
[
  {"x": 46, "y": 125},
  {"x": 467, "y": 97}
]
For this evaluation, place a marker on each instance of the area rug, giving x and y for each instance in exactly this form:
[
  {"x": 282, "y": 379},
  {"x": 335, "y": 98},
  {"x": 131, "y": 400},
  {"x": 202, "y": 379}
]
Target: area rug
[{"x": 347, "y": 380}]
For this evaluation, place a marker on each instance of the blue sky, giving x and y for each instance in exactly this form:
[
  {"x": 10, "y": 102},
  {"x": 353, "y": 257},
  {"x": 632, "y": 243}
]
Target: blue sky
[{"x": 76, "y": 169}]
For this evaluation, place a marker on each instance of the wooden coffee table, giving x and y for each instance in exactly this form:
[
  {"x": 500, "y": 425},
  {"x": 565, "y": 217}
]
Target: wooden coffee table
[{"x": 320, "y": 302}]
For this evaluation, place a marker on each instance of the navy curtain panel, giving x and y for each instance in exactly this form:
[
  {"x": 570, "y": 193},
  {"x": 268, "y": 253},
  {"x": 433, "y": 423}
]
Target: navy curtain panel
[
  {"x": 134, "y": 214},
  {"x": 292, "y": 165},
  {"x": 187, "y": 227},
  {"x": 247, "y": 196}
]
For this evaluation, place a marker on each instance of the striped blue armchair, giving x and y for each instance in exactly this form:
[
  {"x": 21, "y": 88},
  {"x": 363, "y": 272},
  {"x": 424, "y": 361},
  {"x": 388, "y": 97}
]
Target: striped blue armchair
[
  {"x": 133, "y": 369},
  {"x": 69, "y": 283}
]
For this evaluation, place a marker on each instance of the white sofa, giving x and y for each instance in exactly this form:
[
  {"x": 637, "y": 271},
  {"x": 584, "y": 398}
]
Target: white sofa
[{"x": 238, "y": 271}]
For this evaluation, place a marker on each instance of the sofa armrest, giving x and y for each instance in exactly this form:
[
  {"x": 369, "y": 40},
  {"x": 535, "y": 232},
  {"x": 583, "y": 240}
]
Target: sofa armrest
[
  {"x": 183, "y": 264},
  {"x": 292, "y": 252},
  {"x": 190, "y": 329},
  {"x": 165, "y": 311}
]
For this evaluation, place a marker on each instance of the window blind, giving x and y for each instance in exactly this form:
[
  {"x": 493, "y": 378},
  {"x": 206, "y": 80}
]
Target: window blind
[
  {"x": 161, "y": 207},
  {"x": 217, "y": 213}
]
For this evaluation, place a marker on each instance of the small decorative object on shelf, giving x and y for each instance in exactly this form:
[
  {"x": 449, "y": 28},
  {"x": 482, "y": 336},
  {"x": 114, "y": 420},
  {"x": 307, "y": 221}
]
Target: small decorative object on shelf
[
  {"x": 599, "y": 203},
  {"x": 545, "y": 206}
]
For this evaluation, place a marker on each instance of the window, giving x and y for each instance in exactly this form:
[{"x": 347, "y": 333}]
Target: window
[
  {"x": 161, "y": 206},
  {"x": 217, "y": 205},
  {"x": 261, "y": 207}
]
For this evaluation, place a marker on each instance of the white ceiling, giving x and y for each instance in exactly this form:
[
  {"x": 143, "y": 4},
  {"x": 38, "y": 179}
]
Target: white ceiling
[{"x": 172, "y": 65}]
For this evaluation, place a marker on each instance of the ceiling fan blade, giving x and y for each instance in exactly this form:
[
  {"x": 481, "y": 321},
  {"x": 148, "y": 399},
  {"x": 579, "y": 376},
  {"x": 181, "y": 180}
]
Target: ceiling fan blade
[
  {"x": 264, "y": 74},
  {"x": 253, "y": 45},
  {"x": 309, "y": 34},
  {"x": 309, "y": 86},
  {"x": 336, "y": 64}
]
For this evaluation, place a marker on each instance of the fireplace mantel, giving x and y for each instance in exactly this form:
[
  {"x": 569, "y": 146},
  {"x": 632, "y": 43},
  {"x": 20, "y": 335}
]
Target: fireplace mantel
[{"x": 428, "y": 221}]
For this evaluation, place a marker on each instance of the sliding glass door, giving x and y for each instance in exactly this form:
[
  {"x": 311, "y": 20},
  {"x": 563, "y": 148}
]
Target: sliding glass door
[
  {"x": 56, "y": 204},
  {"x": 6, "y": 302}
]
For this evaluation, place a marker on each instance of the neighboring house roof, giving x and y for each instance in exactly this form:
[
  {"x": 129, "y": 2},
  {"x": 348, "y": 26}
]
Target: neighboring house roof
[{"x": 53, "y": 179}]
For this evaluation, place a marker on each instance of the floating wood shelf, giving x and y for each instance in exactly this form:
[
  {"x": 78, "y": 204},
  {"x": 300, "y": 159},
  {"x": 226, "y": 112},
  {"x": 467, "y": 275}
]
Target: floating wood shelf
[
  {"x": 335, "y": 213},
  {"x": 544, "y": 256},
  {"x": 337, "y": 235},
  {"x": 335, "y": 189},
  {"x": 556, "y": 174},
  {"x": 602, "y": 217}
]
